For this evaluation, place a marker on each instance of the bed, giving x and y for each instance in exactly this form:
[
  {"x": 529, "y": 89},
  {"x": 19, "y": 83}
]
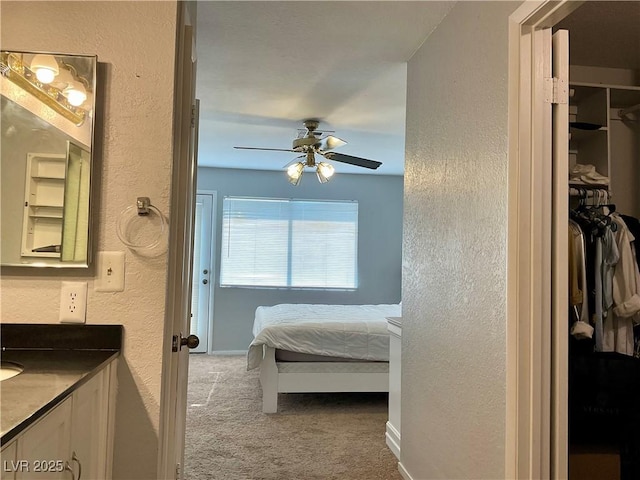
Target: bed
[{"x": 320, "y": 348}]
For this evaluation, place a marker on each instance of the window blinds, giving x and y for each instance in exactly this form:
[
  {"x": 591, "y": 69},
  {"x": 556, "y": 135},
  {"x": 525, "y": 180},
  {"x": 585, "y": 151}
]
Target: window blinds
[{"x": 289, "y": 243}]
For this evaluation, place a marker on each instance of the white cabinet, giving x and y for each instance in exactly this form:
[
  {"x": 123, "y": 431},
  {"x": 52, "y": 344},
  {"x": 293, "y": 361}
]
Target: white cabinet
[
  {"x": 72, "y": 441},
  {"x": 8, "y": 457},
  {"x": 43, "y": 205},
  {"x": 394, "y": 325},
  {"x": 90, "y": 426},
  {"x": 44, "y": 449}
]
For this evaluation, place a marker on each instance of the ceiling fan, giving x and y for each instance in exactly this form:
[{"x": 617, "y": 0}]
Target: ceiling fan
[{"x": 310, "y": 143}]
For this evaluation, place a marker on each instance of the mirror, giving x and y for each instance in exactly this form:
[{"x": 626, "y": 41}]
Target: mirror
[{"x": 47, "y": 118}]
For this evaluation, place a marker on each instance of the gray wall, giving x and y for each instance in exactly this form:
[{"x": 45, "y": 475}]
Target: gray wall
[
  {"x": 379, "y": 247},
  {"x": 455, "y": 238}
]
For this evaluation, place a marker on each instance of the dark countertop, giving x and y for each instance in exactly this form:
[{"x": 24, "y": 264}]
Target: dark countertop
[{"x": 57, "y": 359}]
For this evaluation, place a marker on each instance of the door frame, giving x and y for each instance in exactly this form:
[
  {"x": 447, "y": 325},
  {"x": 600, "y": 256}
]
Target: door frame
[{"x": 529, "y": 451}]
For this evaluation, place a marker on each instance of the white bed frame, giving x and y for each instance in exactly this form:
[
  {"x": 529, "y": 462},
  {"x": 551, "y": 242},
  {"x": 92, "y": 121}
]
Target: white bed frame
[{"x": 314, "y": 377}]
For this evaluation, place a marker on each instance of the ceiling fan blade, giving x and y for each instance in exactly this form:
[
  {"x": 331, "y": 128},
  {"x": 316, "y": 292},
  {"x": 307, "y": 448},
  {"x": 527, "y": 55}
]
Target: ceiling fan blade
[
  {"x": 270, "y": 149},
  {"x": 330, "y": 142},
  {"x": 359, "y": 162}
]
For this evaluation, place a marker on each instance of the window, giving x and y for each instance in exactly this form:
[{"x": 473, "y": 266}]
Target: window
[{"x": 268, "y": 242}]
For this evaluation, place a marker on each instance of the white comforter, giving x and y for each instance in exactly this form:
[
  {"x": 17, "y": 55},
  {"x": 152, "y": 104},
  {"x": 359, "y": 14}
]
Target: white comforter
[{"x": 349, "y": 331}]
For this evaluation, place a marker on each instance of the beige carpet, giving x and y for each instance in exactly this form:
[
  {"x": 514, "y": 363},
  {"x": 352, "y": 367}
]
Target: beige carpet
[{"x": 312, "y": 437}]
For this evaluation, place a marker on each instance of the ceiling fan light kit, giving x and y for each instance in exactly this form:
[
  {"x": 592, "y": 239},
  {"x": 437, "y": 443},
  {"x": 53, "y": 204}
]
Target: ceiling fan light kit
[
  {"x": 294, "y": 172},
  {"x": 311, "y": 144}
]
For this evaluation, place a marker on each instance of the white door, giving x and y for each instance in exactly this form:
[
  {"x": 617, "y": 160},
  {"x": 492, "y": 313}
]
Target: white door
[
  {"x": 202, "y": 293},
  {"x": 559, "y": 258},
  {"x": 178, "y": 312},
  {"x": 553, "y": 195}
]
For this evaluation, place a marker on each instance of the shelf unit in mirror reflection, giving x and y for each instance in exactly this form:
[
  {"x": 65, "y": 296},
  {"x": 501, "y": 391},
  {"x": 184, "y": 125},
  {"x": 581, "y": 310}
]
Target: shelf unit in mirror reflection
[{"x": 43, "y": 204}]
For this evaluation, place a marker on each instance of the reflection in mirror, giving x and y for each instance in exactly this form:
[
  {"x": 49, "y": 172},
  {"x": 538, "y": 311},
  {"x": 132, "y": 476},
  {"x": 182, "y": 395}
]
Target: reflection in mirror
[{"x": 47, "y": 107}]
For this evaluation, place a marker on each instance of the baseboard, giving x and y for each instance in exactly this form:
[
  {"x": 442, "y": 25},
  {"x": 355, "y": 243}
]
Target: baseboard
[
  {"x": 404, "y": 472},
  {"x": 393, "y": 440}
]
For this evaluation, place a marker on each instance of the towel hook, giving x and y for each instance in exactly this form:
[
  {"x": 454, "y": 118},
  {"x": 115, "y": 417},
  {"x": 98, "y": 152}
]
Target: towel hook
[
  {"x": 142, "y": 208},
  {"x": 143, "y": 204}
]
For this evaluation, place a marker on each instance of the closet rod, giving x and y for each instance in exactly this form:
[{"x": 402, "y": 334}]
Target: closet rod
[
  {"x": 590, "y": 193},
  {"x": 626, "y": 111}
]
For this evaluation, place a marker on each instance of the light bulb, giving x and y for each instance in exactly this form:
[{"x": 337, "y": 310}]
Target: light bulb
[
  {"x": 45, "y": 68},
  {"x": 75, "y": 93},
  {"x": 324, "y": 171},
  {"x": 294, "y": 172},
  {"x": 44, "y": 75}
]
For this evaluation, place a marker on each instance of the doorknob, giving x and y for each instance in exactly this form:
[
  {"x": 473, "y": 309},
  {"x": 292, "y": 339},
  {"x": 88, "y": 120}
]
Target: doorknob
[
  {"x": 192, "y": 341},
  {"x": 205, "y": 281},
  {"x": 205, "y": 271}
]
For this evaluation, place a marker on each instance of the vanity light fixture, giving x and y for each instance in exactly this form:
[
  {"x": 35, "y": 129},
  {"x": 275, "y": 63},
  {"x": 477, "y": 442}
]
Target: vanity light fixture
[{"x": 57, "y": 86}]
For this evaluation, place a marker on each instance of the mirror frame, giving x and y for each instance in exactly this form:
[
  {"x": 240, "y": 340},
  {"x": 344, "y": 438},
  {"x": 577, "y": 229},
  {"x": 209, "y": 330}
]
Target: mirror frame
[{"x": 61, "y": 116}]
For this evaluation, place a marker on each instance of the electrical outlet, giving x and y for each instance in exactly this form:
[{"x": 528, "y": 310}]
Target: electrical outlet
[{"x": 73, "y": 302}]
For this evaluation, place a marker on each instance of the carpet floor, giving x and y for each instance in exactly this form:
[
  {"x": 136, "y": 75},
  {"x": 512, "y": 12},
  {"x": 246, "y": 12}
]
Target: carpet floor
[{"x": 312, "y": 437}]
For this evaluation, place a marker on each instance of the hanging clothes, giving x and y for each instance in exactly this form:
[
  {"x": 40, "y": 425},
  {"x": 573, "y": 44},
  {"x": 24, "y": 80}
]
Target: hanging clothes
[
  {"x": 580, "y": 328},
  {"x": 607, "y": 301},
  {"x": 619, "y": 326},
  {"x": 633, "y": 224},
  {"x": 595, "y": 223}
]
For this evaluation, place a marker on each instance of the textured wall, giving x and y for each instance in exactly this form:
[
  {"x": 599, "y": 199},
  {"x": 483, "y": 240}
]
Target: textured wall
[
  {"x": 133, "y": 158},
  {"x": 454, "y": 264},
  {"x": 379, "y": 244}
]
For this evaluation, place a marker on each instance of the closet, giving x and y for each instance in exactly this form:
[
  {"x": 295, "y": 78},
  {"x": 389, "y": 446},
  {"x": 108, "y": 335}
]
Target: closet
[{"x": 604, "y": 164}]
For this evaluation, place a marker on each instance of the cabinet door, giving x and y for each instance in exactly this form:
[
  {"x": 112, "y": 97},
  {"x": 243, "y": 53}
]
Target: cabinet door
[
  {"x": 44, "y": 449},
  {"x": 8, "y": 457},
  {"x": 89, "y": 427}
]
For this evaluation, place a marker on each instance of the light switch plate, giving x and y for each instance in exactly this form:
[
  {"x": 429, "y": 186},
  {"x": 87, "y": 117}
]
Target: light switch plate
[
  {"x": 73, "y": 302},
  {"x": 109, "y": 272}
]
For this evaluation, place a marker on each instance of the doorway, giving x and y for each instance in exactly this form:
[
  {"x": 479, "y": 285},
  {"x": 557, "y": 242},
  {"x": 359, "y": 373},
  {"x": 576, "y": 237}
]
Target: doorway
[{"x": 542, "y": 369}]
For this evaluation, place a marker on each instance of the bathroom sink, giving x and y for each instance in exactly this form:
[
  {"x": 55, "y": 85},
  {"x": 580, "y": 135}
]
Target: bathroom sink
[{"x": 9, "y": 369}]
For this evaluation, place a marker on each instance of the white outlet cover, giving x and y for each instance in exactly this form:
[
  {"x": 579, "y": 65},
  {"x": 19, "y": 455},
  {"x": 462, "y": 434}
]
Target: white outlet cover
[
  {"x": 73, "y": 302},
  {"x": 109, "y": 272}
]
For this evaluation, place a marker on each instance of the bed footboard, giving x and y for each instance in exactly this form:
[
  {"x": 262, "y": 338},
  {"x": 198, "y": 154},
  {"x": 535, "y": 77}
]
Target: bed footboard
[{"x": 314, "y": 377}]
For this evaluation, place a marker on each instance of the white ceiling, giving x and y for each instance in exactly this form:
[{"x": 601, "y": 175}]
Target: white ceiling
[{"x": 265, "y": 66}]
